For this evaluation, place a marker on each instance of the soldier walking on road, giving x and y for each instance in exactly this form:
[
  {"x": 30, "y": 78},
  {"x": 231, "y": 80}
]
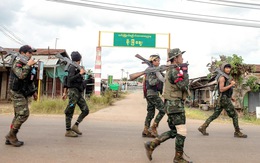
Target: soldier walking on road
[
  {"x": 152, "y": 88},
  {"x": 175, "y": 92},
  {"x": 21, "y": 85},
  {"x": 75, "y": 84},
  {"x": 225, "y": 91}
]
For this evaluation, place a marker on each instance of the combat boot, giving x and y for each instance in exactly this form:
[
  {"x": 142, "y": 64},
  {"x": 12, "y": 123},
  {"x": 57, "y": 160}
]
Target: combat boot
[
  {"x": 7, "y": 142},
  {"x": 75, "y": 128},
  {"x": 239, "y": 134},
  {"x": 154, "y": 132},
  {"x": 179, "y": 158},
  {"x": 12, "y": 139},
  {"x": 146, "y": 132},
  {"x": 202, "y": 129},
  {"x": 71, "y": 133},
  {"x": 150, "y": 146}
]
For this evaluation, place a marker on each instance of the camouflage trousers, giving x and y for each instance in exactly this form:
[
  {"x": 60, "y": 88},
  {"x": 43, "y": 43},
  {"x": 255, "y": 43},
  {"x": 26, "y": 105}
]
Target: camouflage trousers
[
  {"x": 21, "y": 109},
  {"x": 224, "y": 103},
  {"x": 154, "y": 102},
  {"x": 75, "y": 97},
  {"x": 173, "y": 121}
]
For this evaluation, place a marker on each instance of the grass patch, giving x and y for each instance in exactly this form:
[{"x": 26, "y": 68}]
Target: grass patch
[
  {"x": 57, "y": 105},
  {"x": 194, "y": 113}
]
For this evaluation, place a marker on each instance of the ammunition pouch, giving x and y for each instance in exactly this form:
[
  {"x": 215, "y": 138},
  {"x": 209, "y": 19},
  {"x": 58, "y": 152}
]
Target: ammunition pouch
[
  {"x": 28, "y": 89},
  {"x": 174, "y": 106},
  {"x": 16, "y": 84}
]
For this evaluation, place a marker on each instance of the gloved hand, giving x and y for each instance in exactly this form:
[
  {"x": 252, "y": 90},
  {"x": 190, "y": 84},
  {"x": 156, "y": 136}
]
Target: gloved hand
[{"x": 184, "y": 67}]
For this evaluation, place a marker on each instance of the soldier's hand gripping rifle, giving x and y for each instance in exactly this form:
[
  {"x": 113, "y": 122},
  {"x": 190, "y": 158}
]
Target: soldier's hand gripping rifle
[{"x": 67, "y": 62}]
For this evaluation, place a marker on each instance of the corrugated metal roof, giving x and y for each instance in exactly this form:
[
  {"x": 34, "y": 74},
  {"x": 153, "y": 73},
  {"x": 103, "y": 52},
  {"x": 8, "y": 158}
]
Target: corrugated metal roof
[
  {"x": 49, "y": 61},
  {"x": 43, "y": 51}
]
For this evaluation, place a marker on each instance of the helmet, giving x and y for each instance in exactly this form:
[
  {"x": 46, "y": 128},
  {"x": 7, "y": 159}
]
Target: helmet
[{"x": 174, "y": 53}]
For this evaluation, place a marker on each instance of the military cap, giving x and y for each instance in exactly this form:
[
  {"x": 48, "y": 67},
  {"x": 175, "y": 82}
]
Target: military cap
[{"x": 174, "y": 53}]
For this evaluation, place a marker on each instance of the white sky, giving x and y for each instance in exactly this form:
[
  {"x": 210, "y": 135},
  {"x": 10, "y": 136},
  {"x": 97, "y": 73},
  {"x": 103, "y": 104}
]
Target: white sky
[{"x": 40, "y": 22}]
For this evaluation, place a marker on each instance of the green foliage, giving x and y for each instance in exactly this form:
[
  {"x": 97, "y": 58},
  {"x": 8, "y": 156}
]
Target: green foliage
[
  {"x": 107, "y": 98},
  {"x": 252, "y": 83},
  {"x": 48, "y": 105}
]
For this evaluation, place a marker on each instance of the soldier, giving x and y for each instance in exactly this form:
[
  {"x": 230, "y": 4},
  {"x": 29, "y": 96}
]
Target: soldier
[
  {"x": 225, "y": 91},
  {"x": 175, "y": 92},
  {"x": 21, "y": 85},
  {"x": 75, "y": 88},
  {"x": 152, "y": 88}
]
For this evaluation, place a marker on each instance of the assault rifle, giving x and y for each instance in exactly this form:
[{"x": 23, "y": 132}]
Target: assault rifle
[
  {"x": 157, "y": 70},
  {"x": 221, "y": 73},
  {"x": 149, "y": 69},
  {"x": 13, "y": 56},
  {"x": 67, "y": 62}
]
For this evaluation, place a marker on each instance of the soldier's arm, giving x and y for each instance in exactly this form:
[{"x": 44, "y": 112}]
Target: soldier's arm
[{"x": 20, "y": 70}]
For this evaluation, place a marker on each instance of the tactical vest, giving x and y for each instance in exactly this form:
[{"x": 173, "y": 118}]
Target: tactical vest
[
  {"x": 228, "y": 92},
  {"x": 155, "y": 89},
  {"x": 171, "y": 90},
  {"x": 24, "y": 86},
  {"x": 14, "y": 83},
  {"x": 77, "y": 82}
]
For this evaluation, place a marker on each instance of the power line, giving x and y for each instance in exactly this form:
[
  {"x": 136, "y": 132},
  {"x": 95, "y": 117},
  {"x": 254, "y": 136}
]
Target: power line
[
  {"x": 222, "y": 4},
  {"x": 13, "y": 35},
  {"x": 152, "y": 9},
  {"x": 236, "y": 2},
  {"x": 249, "y": 23},
  {"x": 8, "y": 35}
]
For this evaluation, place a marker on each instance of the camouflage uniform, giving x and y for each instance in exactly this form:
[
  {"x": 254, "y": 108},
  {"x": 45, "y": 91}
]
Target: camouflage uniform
[
  {"x": 21, "y": 87},
  {"x": 175, "y": 92},
  {"x": 153, "y": 87},
  {"x": 20, "y": 101},
  {"x": 76, "y": 87},
  {"x": 224, "y": 102}
]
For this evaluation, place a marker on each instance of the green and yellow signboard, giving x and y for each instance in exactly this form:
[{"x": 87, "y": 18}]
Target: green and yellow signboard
[{"x": 134, "y": 40}]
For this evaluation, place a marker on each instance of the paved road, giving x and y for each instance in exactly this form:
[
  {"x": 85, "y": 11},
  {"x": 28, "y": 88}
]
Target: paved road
[{"x": 113, "y": 135}]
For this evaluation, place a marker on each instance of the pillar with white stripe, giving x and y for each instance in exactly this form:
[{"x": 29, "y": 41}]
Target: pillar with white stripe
[{"x": 98, "y": 71}]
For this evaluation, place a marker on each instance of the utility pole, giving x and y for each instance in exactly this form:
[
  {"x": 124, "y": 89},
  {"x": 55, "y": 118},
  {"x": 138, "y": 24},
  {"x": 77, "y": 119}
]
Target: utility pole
[
  {"x": 126, "y": 80},
  {"x": 56, "y": 40},
  {"x": 122, "y": 74}
]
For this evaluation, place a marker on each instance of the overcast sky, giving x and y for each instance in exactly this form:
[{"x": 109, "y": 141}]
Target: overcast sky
[{"x": 39, "y": 22}]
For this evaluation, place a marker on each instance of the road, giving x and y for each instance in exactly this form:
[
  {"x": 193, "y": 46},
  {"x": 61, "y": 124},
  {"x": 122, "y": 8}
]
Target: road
[{"x": 113, "y": 135}]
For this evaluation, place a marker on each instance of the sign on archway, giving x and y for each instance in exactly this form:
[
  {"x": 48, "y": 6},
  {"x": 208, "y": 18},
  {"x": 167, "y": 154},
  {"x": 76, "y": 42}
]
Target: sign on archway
[{"x": 127, "y": 39}]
